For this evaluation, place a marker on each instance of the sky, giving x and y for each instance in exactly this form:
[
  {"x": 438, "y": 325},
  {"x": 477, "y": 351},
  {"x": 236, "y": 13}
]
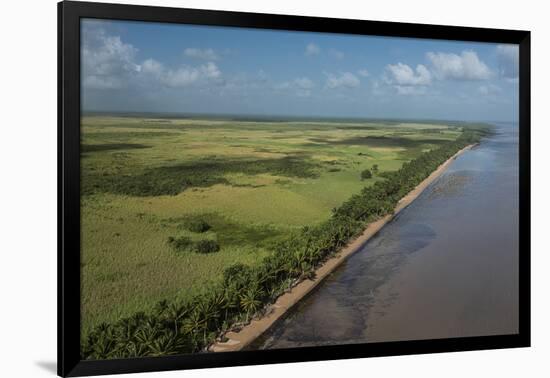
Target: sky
[{"x": 129, "y": 66}]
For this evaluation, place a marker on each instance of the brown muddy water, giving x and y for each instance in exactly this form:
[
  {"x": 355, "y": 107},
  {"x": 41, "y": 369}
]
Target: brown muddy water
[{"x": 446, "y": 266}]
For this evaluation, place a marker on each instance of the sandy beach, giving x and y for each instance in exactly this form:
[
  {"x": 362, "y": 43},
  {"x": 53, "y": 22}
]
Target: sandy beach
[{"x": 238, "y": 340}]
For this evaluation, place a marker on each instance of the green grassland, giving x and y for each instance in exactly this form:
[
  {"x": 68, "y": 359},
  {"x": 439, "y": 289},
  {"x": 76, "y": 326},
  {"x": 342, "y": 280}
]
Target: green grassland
[{"x": 145, "y": 180}]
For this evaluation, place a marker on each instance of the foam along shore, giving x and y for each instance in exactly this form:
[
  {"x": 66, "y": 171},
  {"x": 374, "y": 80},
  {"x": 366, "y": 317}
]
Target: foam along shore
[{"x": 235, "y": 341}]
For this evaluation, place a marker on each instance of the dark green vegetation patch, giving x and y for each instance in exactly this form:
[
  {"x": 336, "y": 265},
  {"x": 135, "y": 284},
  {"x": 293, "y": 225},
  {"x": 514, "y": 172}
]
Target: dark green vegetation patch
[
  {"x": 366, "y": 174},
  {"x": 206, "y": 246},
  {"x": 198, "y": 225},
  {"x": 174, "y": 179},
  {"x": 186, "y": 244},
  {"x": 126, "y": 135},
  {"x": 381, "y": 141},
  {"x": 229, "y": 232},
  {"x": 111, "y": 147}
]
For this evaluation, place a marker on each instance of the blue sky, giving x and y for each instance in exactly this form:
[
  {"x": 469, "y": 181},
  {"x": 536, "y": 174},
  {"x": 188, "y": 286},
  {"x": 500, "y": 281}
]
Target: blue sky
[{"x": 152, "y": 67}]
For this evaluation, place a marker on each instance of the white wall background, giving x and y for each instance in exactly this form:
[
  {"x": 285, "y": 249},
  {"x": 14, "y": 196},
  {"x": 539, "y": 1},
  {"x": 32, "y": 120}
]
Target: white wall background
[{"x": 28, "y": 186}]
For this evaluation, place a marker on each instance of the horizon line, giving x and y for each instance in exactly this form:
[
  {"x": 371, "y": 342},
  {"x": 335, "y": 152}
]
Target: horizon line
[{"x": 264, "y": 116}]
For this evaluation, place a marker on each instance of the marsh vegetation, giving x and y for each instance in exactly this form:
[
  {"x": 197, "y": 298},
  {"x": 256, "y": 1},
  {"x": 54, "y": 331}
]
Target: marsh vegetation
[{"x": 198, "y": 224}]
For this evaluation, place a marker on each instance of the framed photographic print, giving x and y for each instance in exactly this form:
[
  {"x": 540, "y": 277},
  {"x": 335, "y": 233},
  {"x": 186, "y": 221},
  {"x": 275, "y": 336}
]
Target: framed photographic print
[{"x": 239, "y": 188}]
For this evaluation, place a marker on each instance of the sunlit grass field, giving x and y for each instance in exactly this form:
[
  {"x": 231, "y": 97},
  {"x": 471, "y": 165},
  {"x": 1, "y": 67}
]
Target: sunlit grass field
[{"x": 145, "y": 179}]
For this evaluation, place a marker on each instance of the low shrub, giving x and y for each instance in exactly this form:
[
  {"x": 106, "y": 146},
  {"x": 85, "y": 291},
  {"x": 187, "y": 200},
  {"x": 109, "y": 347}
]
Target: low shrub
[
  {"x": 206, "y": 246},
  {"x": 366, "y": 174},
  {"x": 198, "y": 225},
  {"x": 184, "y": 243}
]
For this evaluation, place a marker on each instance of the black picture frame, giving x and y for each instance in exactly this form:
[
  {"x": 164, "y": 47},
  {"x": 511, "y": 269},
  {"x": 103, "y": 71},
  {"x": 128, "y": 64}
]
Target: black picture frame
[{"x": 69, "y": 15}]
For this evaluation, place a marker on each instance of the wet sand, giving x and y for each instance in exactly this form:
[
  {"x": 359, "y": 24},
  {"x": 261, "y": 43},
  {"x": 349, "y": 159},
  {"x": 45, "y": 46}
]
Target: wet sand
[{"x": 246, "y": 335}]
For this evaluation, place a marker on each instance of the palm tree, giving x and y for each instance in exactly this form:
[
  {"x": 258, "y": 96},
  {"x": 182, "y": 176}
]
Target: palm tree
[
  {"x": 164, "y": 345},
  {"x": 267, "y": 274},
  {"x": 126, "y": 330},
  {"x": 103, "y": 342},
  {"x": 175, "y": 312},
  {"x": 195, "y": 323},
  {"x": 207, "y": 310},
  {"x": 250, "y": 301},
  {"x": 147, "y": 332},
  {"x": 231, "y": 300}
]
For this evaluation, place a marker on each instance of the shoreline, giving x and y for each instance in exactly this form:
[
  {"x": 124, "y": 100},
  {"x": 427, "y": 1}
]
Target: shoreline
[{"x": 250, "y": 332}]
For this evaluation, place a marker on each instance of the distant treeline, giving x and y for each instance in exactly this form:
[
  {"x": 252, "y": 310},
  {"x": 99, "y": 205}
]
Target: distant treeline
[
  {"x": 187, "y": 327},
  {"x": 267, "y": 118}
]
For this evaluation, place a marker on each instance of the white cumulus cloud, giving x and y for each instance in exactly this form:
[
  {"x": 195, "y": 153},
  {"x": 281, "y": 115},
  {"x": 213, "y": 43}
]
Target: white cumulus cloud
[
  {"x": 342, "y": 80},
  {"x": 466, "y": 66},
  {"x": 151, "y": 66},
  {"x": 180, "y": 77},
  {"x": 403, "y": 75},
  {"x": 406, "y": 80},
  {"x": 210, "y": 70},
  {"x": 107, "y": 62},
  {"x": 312, "y": 49},
  {"x": 363, "y": 72}
]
